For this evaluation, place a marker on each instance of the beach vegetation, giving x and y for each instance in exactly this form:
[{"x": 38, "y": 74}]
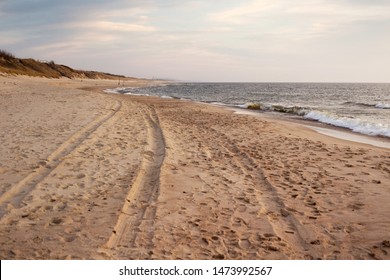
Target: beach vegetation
[
  {"x": 11, "y": 65},
  {"x": 6, "y": 55}
]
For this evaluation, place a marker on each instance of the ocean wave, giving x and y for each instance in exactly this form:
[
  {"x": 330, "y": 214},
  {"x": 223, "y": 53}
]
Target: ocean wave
[
  {"x": 353, "y": 124},
  {"x": 119, "y": 90},
  {"x": 383, "y": 106},
  {"x": 219, "y": 104},
  {"x": 111, "y": 90},
  {"x": 252, "y": 106},
  {"x": 125, "y": 91},
  {"x": 361, "y": 104},
  {"x": 296, "y": 110}
]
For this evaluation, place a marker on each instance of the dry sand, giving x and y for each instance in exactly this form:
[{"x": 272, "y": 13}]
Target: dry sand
[{"x": 88, "y": 175}]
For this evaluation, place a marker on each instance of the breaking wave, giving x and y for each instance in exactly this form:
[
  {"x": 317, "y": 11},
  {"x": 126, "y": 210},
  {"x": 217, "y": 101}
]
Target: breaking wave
[
  {"x": 353, "y": 124},
  {"x": 383, "y": 105},
  {"x": 297, "y": 110},
  {"x": 379, "y": 105},
  {"x": 125, "y": 91}
]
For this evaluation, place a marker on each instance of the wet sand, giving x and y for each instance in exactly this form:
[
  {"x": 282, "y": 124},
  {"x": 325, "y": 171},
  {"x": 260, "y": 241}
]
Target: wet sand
[{"x": 90, "y": 175}]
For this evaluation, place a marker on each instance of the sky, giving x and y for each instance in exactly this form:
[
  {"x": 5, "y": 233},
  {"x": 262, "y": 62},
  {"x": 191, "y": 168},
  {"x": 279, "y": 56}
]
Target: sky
[{"x": 206, "y": 41}]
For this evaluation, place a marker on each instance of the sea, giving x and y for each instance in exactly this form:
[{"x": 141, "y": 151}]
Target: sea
[{"x": 360, "y": 107}]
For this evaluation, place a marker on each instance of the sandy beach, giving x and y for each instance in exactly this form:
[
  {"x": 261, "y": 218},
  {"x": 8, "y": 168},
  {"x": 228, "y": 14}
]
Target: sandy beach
[{"x": 90, "y": 175}]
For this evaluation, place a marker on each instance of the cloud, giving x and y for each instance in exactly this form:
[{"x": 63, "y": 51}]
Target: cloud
[
  {"x": 303, "y": 17},
  {"x": 9, "y": 38},
  {"x": 103, "y": 26},
  {"x": 339, "y": 9},
  {"x": 174, "y": 38},
  {"x": 244, "y": 13},
  {"x": 42, "y": 13},
  {"x": 72, "y": 25}
]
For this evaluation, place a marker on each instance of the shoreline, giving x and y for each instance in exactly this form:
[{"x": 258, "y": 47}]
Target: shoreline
[
  {"x": 367, "y": 117},
  {"x": 354, "y": 137},
  {"x": 325, "y": 129},
  {"x": 321, "y": 127},
  {"x": 90, "y": 175}
]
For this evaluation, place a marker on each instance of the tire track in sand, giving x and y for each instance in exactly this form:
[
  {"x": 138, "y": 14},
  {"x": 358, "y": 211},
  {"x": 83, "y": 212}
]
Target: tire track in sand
[
  {"x": 132, "y": 236},
  {"x": 15, "y": 195},
  {"x": 283, "y": 221}
]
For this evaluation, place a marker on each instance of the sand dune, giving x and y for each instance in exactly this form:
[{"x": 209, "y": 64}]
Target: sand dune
[{"x": 88, "y": 175}]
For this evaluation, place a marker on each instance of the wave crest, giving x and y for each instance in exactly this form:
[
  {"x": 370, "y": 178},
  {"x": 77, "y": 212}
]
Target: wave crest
[
  {"x": 355, "y": 125},
  {"x": 382, "y": 106}
]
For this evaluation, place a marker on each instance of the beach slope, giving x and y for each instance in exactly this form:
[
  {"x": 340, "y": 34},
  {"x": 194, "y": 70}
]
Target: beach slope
[{"x": 90, "y": 175}]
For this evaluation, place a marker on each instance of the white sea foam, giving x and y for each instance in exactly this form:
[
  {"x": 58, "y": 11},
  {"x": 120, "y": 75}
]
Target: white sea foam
[
  {"x": 352, "y": 137},
  {"x": 382, "y": 106},
  {"x": 113, "y": 90},
  {"x": 303, "y": 102},
  {"x": 353, "y": 124},
  {"x": 219, "y": 104},
  {"x": 136, "y": 94},
  {"x": 124, "y": 91}
]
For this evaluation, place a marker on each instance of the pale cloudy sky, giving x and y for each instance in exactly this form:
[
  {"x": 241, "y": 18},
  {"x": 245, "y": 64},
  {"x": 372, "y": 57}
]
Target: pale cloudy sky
[{"x": 220, "y": 40}]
